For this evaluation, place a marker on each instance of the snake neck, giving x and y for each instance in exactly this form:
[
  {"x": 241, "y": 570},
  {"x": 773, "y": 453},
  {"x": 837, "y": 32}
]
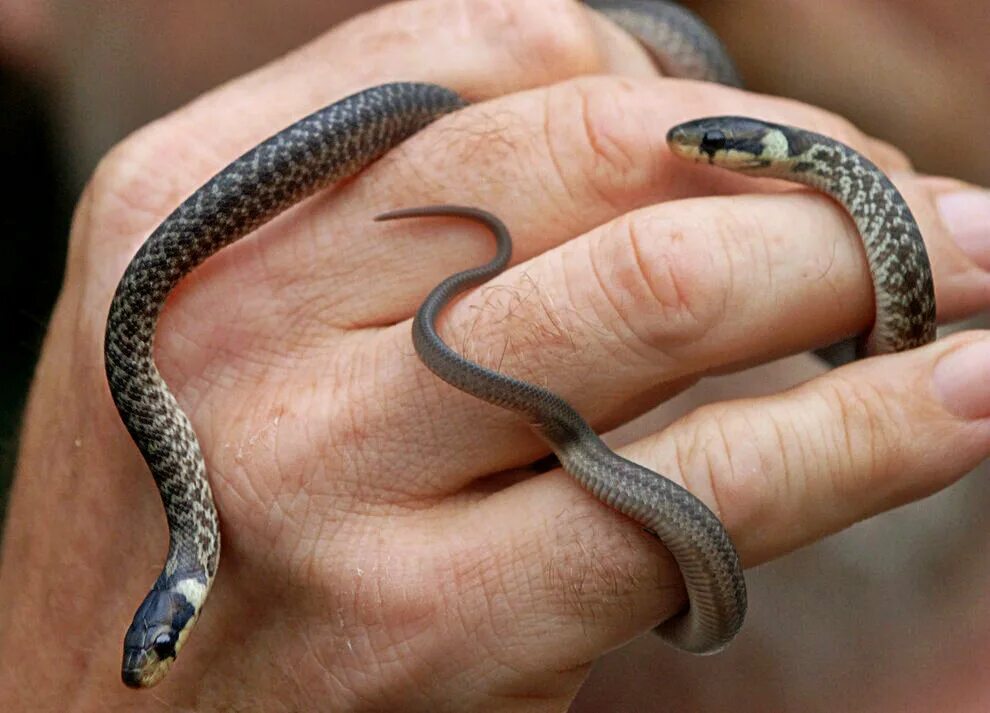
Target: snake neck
[{"x": 905, "y": 307}]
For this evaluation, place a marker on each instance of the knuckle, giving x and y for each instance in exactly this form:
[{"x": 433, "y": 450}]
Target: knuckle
[
  {"x": 550, "y": 39},
  {"x": 845, "y": 131},
  {"x": 667, "y": 279},
  {"x": 860, "y": 444},
  {"x": 889, "y": 156},
  {"x": 598, "y": 140},
  {"x": 521, "y": 328},
  {"x": 823, "y": 121},
  {"x": 126, "y": 194},
  {"x": 592, "y": 569},
  {"x": 121, "y": 172},
  {"x": 724, "y": 457},
  {"x": 756, "y": 457}
]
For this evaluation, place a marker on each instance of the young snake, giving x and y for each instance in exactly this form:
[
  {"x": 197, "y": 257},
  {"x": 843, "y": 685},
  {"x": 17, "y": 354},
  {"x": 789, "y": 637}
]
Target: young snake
[{"x": 329, "y": 145}]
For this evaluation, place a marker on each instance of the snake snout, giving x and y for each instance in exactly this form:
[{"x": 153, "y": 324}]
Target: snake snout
[
  {"x": 680, "y": 139},
  {"x": 677, "y": 135},
  {"x": 132, "y": 671},
  {"x": 692, "y": 141},
  {"x": 148, "y": 654}
]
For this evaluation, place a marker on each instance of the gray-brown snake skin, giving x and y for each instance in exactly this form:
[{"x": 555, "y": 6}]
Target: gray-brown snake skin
[
  {"x": 683, "y": 45},
  {"x": 337, "y": 142}
]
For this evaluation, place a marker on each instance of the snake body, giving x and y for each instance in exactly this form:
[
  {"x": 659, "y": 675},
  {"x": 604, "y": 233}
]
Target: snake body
[
  {"x": 331, "y": 144},
  {"x": 706, "y": 557},
  {"x": 679, "y": 41}
]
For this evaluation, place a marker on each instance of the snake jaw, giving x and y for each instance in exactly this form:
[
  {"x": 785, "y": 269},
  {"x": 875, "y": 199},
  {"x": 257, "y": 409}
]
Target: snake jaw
[{"x": 143, "y": 669}]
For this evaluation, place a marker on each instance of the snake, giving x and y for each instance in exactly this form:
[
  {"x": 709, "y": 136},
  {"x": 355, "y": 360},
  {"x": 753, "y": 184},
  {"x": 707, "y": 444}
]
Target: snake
[{"x": 338, "y": 142}]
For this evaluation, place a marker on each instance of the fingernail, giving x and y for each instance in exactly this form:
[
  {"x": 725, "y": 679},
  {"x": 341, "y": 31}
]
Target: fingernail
[
  {"x": 962, "y": 380},
  {"x": 967, "y": 216}
]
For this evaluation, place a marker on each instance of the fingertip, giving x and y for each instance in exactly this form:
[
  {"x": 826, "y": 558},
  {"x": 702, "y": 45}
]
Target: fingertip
[
  {"x": 965, "y": 212},
  {"x": 961, "y": 378}
]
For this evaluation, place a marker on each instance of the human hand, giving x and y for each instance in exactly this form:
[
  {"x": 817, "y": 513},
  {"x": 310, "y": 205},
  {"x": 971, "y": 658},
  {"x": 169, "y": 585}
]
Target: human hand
[{"x": 383, "y": 546}]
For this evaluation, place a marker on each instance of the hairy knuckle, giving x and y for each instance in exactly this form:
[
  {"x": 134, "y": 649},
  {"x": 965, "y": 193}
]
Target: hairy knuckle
[{"x": 590, "y": 576}]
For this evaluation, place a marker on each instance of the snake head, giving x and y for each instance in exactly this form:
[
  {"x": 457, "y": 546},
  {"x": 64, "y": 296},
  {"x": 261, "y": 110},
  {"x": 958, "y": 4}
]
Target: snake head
[
  {"x": 160, "y": 627},
  {"x": 738, "y": 143}
]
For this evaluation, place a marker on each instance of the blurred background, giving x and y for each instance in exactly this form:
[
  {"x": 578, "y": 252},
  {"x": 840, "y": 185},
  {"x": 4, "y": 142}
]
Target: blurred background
[{"x": 76, "y": 77}]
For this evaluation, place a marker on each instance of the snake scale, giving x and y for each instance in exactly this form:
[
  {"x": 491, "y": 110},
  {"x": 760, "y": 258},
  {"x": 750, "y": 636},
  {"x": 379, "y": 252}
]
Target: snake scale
[{"x": 339, "y": 141}]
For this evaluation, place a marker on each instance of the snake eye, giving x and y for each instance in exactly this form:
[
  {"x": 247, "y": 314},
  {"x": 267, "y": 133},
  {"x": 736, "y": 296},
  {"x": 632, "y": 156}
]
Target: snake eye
[
  {"x": 164, "y": 646},
  {"x": 713, "y": 141}
]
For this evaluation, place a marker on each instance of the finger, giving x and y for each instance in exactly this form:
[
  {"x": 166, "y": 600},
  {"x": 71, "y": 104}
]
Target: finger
[
  {"x": 780, "y": 471},
  {"x": 630, "y": 314},
  {"x": 553, "y": 163},
  {"x": 957, "y": 217},
  {"x": 580, "y": 154}
]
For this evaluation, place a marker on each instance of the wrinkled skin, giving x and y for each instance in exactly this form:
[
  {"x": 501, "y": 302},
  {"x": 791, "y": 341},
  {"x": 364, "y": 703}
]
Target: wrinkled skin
[{"x": 372, "y": 562}]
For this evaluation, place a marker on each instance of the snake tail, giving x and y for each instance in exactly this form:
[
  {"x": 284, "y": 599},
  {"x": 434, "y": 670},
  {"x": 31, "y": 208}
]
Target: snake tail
[{"x": 706, "y": 557}]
